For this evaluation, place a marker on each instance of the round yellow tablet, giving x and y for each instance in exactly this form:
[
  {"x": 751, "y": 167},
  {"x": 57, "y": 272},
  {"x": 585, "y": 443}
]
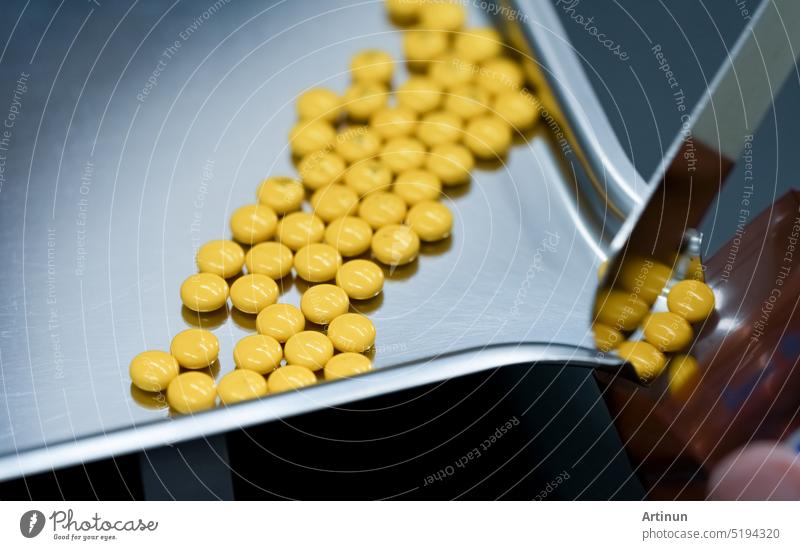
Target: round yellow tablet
[
  {"x": 421, "y": 46},
  {"x": 317, "y": 262},
  {"x": 281, "y": 321},
  {"x": 363, "y": 99},
  {"x": 500, "y": 74},
  {"x": 683, "y": 373},
  {"x": 282, "y": 194},
  {"x": 319, "y": 103},
  {"x": 440, "y": 127},
  {"x": 298, "y": 229},
  {"x": 372, "y": 66},
  {"x": 449, "y": 72},
  {"x": 153, "y": 370},
  {"x": 308, "y": 136},
  {"x": 191, "y": 392},
  {"x": 620, "y": 309},
  {"x": 647, "y": 361},
  {"x": 668, "y": 331},
  {"x": 442, "y": 15},
  {"x": 334, "y": 201},
  {"x": 451, "y": 163},
  {"x": 403, "y": 153},
  {"x": 195, "y": 348},
  {"x": 487, "y": 136},
  {"x": 358, "y": 143},
  {"x": 346, "y": 365},
  {"x": 430, "y": 220},
  {"x": 308, "y": 349},
  {"x": 478, "y": 45},
  {"x": 360, "y": 279},
  {"x": 253, "y": 223},
  {"x": 606, "y": 338},
  {"x": 241, "y": 385},
  {"x": 290, "y": 377},
  {"x": 321, "y": 304},
  {"x": 415, "y": 186},
  {"x": 320, "y": 169},
  {"x": 271, "y": 259},
  {"x": 517, "y": 109},
  {"x": 253, "y": 292},
  {"x": 403, "y": 12},
  {"x": 258, "y": 352},
  {"x": 692, "y": 300},
  {"x": 349, "y": 235},
  {"x": 420, "y": 94},
  {"x": 467, "y": 101},
  {"x": 352, "y": 332},
  {"x": 368, "y": 175},
  {"x": 382, "y": 208},
  {"x": 644, "y": 277},
  {"x": 395, "y": 245},
  {"x": 221, "y": 257},
  {"x": 393, "y": 122},
  {"x": 204, "y": 292}
]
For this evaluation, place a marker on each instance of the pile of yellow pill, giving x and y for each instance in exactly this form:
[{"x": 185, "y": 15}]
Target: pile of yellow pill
[{"x": 374, "y": 161}]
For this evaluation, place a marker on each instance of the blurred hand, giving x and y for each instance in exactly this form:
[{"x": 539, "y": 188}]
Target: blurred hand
[{"x": 767, "y": 470}]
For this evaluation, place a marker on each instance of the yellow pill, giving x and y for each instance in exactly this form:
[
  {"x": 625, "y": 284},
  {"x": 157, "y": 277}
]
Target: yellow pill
[
  {"x": 440, "y": 127},
  {"x": 346, "y": 365},
  {"x": 308, "y": 349},
  {"x": 321, "y": 304},
  {"x": 298, "y": 229},
  {"x": 451, "y": 72},
  {"x": 321, "y": 169},
  {"x": 358, "y": 143},
  {"x": 606, "y": 338},
  {"x": 644, "y": 276},
  {"x": 281, "y": 321},
  {"x": 403, "y": 153},
  {"x": 153, "y": 370},
  {"x": 195, "y": 348},
  {"x": 372, "y": 66},
  {"x": 382, "y": 208},
  {"x": 403, "y": 12},
  {"x": 221, "y": 257},
  {"x": 308, "y": 136},
  {"x": 467, "y": 101},
  {"x": 488, "y": 137},
  {"x": 360, "y": 279},
  {"x": 499, "y": 75},
  {"x": 253, "y": 223},
  {"x": 271, "y": 259},
  {"x": 282, "y": 194},
  {"x": 692, "y": 300},
  {"x": 204, "y": 292},
  {"x": 191, "y": 392},
  {"x": 368, "y": 175},
  {"x": 415, "y": 186},
  {"x": 683, "y": 374},
  {"x": 290, "y": 377},
  {"x": 517, "y": 109},
  {"x": 352, "y": 332},
  {"x": 334, "y": 201},
  {"x": 421, "y": 46},
  {"x": 430, "y": 220},
  {"x": 619, "y": 309},
  {"x": 442, "y": 16},
  {"x": 258, "y": 352},
  {"x": 241, "y": 385},
  {"x": 392, "y": 122},
  {"x": 363, "y": 99},
  {"x": 668, "y": 331},
  {"x": 395, "y": 245},
  {"x": 451, "y": 163},
  {"x": 647, "y": 361},
  {"x": 319, "y": 103},
  {"x": 420, "y": 94},
  {"x": 349, "y": 235},
  {"x": 478, "y": 45},
  {"x": 317, "y": 262},
  {"x": 253, "y": 292}
]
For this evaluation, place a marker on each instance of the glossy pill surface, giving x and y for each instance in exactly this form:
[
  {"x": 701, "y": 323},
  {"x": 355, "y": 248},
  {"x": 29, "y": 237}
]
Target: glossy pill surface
[
  {"x": 152, "y": 371},
  {"x": 308, "y": 136},
  {"x": 253, "y": 223},
  {"x": 692, "y": 300},
  {"x": 392, "y": 122},
  {"x": 382, "y": 208},
  {"x": 204, "y": 292},
  {"x": 258, "y": 352},
  {"x": 500, "y": 74},
  {"x": 191, "y": 392},
  {"x": 449, "y": 72},
  {"x": 403, "y": 153},
  {"x": 644, "y": 276},
  {"x": 352, "y": 332},
  {"x": 668, "y": 331},
  {"x": 308, "y": 349},
  {"x": 282, "y": 194},
  {"x": 430, "y": 220},
  {"x": 319, "y": 103},
  {"x": 442, "y": 15},
  {"x": 298, "y": 229},
  {"x": 290, "y": 377},
  {"x": 241, "y": 385},
  {"x": 415, "y": 186},
  {"x": 321, "y": 169},
  {"x": 358, "y": 143},
  {"x": 349, "y": 235},
  {"x": 620, "y": 309},
  {"x": 321, "y": 304},
  {"x": 478, "y": 44},
  {"x": 451, "y": 163},
  {"x": 253, "y": 292},
  {"x": 439, "y": 127},
  {"x": 372, "y": 66},
  {"x": 346, "y": 365},
  {"x": 606, "y": 338},
  {"x": 334, "y": 201},
  {"x": 195, "y": 348},
  {"x": 488, "y": 137},
  {"x": 395, "y": 245},
  {"x": 517, "y": 109},
  {"x": 271, "y": 259},
  {"x": 317, "y": 262},
  {"x": 420, "y": 94},
  {"x": 683, "y": 373},
  {"x": 421, "y": 46},
  {"x": 220, "y": 257},
  {"x": 363, "y": 99},
  {"x": 467, "y": 101},
  {"x": 360, "y": 279},
  {"x": 647, "y": 361},
  {"x": 368, "y": 175},
  {"x": 280, "y": 321}
]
